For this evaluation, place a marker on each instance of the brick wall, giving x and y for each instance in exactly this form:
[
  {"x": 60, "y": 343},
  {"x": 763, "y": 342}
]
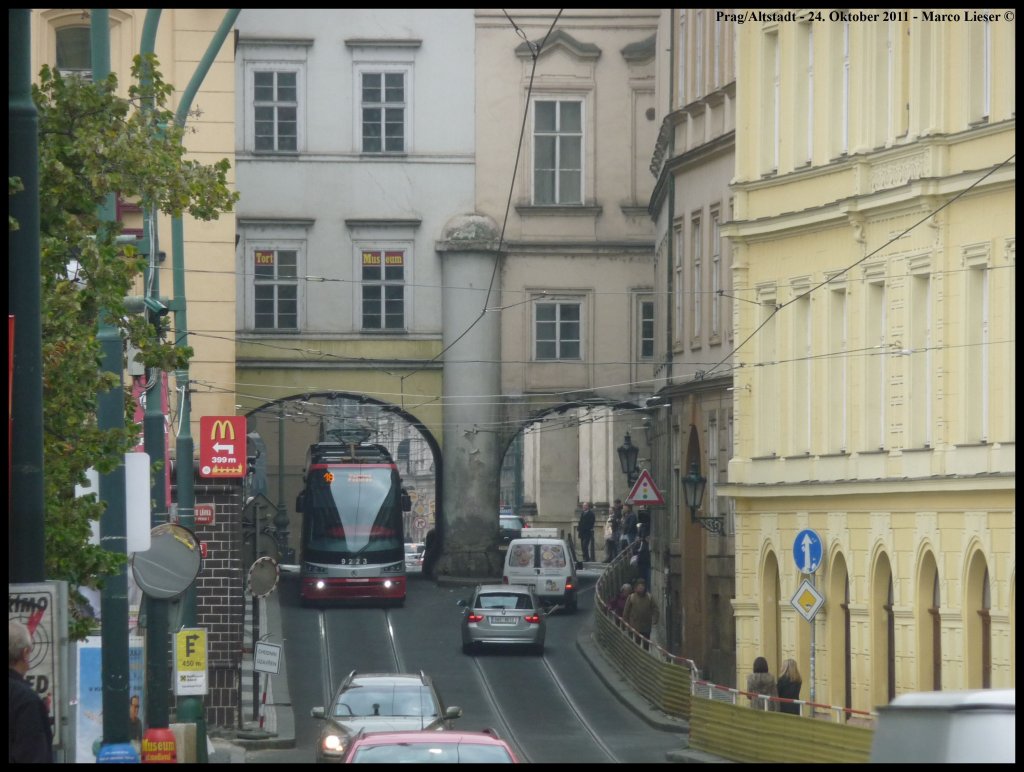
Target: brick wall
[{"x": 220, "y": 598}]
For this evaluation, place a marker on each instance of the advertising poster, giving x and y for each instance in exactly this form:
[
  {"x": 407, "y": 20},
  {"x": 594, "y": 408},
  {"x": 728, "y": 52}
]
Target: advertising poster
[
  {"x": 90, "y": 696},
  {"x": 39, "y": 606}
]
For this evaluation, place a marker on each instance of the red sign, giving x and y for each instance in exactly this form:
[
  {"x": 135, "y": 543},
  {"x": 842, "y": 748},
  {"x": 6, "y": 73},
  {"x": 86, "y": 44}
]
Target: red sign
[
  {"x": 222, "y": 446},
  {"x": 158, "y": 746},
  {"x": 202, "y": 550},
  {"x": 204, "y": 514}
]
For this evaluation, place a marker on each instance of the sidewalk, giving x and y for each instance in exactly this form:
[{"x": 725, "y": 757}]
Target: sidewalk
[{"x": 279, "y": 720}]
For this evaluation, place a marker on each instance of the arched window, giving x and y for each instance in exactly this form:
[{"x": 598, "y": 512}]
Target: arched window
[
  {"x": 936, "y": 627},
  {"x": 74, "y": 52}
]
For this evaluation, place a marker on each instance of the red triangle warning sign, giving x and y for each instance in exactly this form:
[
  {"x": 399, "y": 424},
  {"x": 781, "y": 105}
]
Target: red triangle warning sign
[{"x": 645, "y": 491}]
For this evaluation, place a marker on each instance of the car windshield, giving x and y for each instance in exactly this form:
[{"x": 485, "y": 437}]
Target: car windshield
[
  {"x": 504, "y": 600},
  {"x": 434, "y": 752},
  {"x": 376, "y": 700},
  {"x": 511, "y": 522}
]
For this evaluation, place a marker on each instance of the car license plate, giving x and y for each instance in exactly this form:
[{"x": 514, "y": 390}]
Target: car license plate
[{"x": 503, "y": 620}]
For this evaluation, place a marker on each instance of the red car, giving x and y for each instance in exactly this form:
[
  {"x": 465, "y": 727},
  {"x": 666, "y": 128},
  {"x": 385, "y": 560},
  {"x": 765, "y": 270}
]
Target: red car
[{"x": 448, "y": 747}]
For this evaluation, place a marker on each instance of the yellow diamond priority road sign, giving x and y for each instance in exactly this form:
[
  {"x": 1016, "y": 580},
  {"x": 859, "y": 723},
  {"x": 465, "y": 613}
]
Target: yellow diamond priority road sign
[{"x": 808, "y": 601}]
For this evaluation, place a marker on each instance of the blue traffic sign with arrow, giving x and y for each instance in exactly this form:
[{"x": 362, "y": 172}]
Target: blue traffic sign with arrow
[{"x": 807, "y": 551}]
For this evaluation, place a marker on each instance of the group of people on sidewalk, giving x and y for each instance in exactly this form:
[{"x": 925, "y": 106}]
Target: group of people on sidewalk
[{"x": 763, "y": 686}]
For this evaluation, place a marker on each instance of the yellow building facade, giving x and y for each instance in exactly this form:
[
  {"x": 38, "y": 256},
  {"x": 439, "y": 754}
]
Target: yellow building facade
[
  {"x": 60, "y": 38},
  {"x": 874, "y": 265}
]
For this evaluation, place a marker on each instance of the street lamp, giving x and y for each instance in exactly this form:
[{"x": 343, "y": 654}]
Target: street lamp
[
  {"x": 628, "y": 453},
  {"x": 693, "y": 492}
]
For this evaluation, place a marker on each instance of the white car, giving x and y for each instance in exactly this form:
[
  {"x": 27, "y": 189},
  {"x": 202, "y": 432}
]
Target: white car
[{"x": 414, "y": 557}]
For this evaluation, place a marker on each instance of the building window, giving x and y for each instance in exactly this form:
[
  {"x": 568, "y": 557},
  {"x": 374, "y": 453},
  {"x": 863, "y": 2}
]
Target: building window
[
  {"x": 716, "y": 274},
  {"x": 557, "y": 331},
  {"x": 844, "y": 96},
  {"x": 682, "y": 56},
  {"x": 275, "y": 101},
  {"x": 698, "y": 39},
  {"x": 697, "y": 282},
  {"x": 837, "y": 373},
  {"x": 805, "y": 96},
  {"x": 646, "y": 329},
  {"x": 677, "y": 290},
  {"x": 384, "y": 101},
  {"x": 383, "y": 289},
  {"x": 74, "y": 52},
  {"x": 918, "y": 401},
  {"x": 875, "y": 364},
  {"x": 276, "y": 289},
  {"x": 558, "y": 151},
  {"x": 976, "y": 373},
  {"x": 713, "y": 503},
  {"x": 802, "y": 403},
  {"x": 770, "y": 110}
]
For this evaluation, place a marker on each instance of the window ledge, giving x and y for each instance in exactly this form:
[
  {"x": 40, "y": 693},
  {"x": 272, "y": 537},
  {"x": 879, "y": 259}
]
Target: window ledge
[{"x": 558, "y": 210}]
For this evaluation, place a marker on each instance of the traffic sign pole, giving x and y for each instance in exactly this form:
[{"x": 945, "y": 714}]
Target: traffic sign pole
[{"x": 807, "y": 553}]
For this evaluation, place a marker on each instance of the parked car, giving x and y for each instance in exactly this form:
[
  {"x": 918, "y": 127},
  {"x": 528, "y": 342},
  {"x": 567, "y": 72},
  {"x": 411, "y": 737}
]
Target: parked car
[
  {"x": 430, "y": 748},
  {"x": 968, "y": 726},
  {"x": 547, "y": 564},
  {"x": 414, "y": 557},
  {"x": 379, "y": 702},
  {"x": 509, "y": 527},
  {"x": 503, "y": 615}
]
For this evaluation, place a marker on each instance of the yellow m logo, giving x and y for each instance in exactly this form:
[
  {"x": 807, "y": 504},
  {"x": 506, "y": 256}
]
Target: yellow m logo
[{"x": 225, "y": 429}]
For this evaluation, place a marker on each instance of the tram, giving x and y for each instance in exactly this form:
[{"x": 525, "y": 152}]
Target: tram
[{"x": 352, "y": 505}]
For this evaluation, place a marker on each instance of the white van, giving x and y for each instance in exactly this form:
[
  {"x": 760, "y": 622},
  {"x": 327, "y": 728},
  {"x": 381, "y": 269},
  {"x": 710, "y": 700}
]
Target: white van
[
  {"x": 546, "y": 563},
  {"x": 975, "y": 726}
]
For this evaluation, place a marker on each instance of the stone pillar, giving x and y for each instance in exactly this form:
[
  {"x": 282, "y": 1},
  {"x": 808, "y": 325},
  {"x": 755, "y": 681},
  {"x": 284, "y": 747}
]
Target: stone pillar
[{"x": 468, "y": 250}]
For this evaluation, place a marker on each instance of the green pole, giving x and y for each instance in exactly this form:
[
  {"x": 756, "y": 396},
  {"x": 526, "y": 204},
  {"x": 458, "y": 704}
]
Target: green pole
[
  {"x": 158, "y": 642},
  {"x": 26, "y": 543},
  {"x": 110, "y": 415},
  {"x": 190, "y": 709}
]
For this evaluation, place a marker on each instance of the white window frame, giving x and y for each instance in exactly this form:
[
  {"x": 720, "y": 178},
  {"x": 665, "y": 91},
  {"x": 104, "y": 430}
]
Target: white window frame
[
  {"x": 383, "y": 248},
  {"x": 645, "y": 314},
  {"x": 716, "y": 273},
  {"x": 559, "y": 303},
  {"x": 682, "y": 56},
  {"x": 83, "y": 73},
  {"x": 370, "y": 68},
  {"x": 275, "y": 245},
  {"x": 252, "y": 66},
  {"x": 698, "y": 35},
  {"x": 558, "y": 98},
  {"x": 677, "y": 289},
  {"x": 697, "y": 278}
]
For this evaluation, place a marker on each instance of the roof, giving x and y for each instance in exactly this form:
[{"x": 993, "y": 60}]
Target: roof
[{"x": 504, "y": 588}]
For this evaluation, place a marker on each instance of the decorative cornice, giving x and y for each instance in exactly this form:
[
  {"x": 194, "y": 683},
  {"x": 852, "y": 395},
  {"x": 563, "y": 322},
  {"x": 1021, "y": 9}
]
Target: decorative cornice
[
  {"x": 559, "y": 38},
  {"x": 383, "y": 43},
  {"x": 641, "y": 51},
  {"x": 275, "y": 222},
  {"x": 381, "y": 222},
  {"x": 304, "y": 42}
]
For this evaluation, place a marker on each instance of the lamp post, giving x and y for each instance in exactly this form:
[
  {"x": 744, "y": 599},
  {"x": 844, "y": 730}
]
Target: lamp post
[
  {"x": 628, "y": 453},
  {"x": 693, "y": 491}
]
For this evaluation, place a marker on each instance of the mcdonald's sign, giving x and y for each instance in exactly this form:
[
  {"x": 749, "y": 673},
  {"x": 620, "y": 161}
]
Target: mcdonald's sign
[{"x": 222, "y": 446}]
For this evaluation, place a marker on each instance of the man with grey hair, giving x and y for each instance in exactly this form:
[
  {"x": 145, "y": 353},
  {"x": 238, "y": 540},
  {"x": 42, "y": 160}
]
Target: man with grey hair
[{"x": 29, "y": 737}]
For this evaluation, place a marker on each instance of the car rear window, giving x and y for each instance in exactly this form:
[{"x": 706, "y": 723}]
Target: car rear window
[
  {"x": 504, "y": 600},
  {"x": 385, "y": 701},
  {"x": 521, "y": 555}
]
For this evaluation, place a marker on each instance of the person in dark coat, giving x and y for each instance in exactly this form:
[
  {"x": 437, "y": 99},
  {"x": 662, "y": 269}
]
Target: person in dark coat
[
  {"x": 642, "y": 550},
  {"x": 760, "y": 683},
  {"x": 789, "y": 687},
  {"x": 29, "y": 736},
  {"x": 586, "y": 531}
]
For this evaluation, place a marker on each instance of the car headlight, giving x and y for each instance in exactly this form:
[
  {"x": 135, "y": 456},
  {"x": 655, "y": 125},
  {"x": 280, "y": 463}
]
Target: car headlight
[{"x": 335, "y": 743}]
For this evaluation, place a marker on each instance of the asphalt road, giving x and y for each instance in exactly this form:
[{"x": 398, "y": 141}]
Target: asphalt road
[{"x": 552, "y": 709}]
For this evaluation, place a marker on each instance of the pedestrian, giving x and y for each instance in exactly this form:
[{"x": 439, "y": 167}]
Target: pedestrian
[
  {"x": 586, "y": 531},
  {"x": 629, "y": 526},
  {"x": 29, "y": 736},
  {"x": 789, "y": 687},
  {"x": 761, "y": 685},
  {"x": 642, "y": 552},
  {"x": 612, "y": 528},
  {"x": 618, "y": 604},
  {"x": 640, "y": 611}
]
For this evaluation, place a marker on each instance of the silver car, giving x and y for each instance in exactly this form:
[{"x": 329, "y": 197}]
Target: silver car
[
  {"x": 502, "y": 614},
  {"x": 379, "y": 702}
]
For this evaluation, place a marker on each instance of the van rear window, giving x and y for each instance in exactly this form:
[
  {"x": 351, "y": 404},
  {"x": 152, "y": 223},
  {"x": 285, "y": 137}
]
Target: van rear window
[
  {"x": 552, "y": 556},
  {"x": 521, "y": 555}
]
